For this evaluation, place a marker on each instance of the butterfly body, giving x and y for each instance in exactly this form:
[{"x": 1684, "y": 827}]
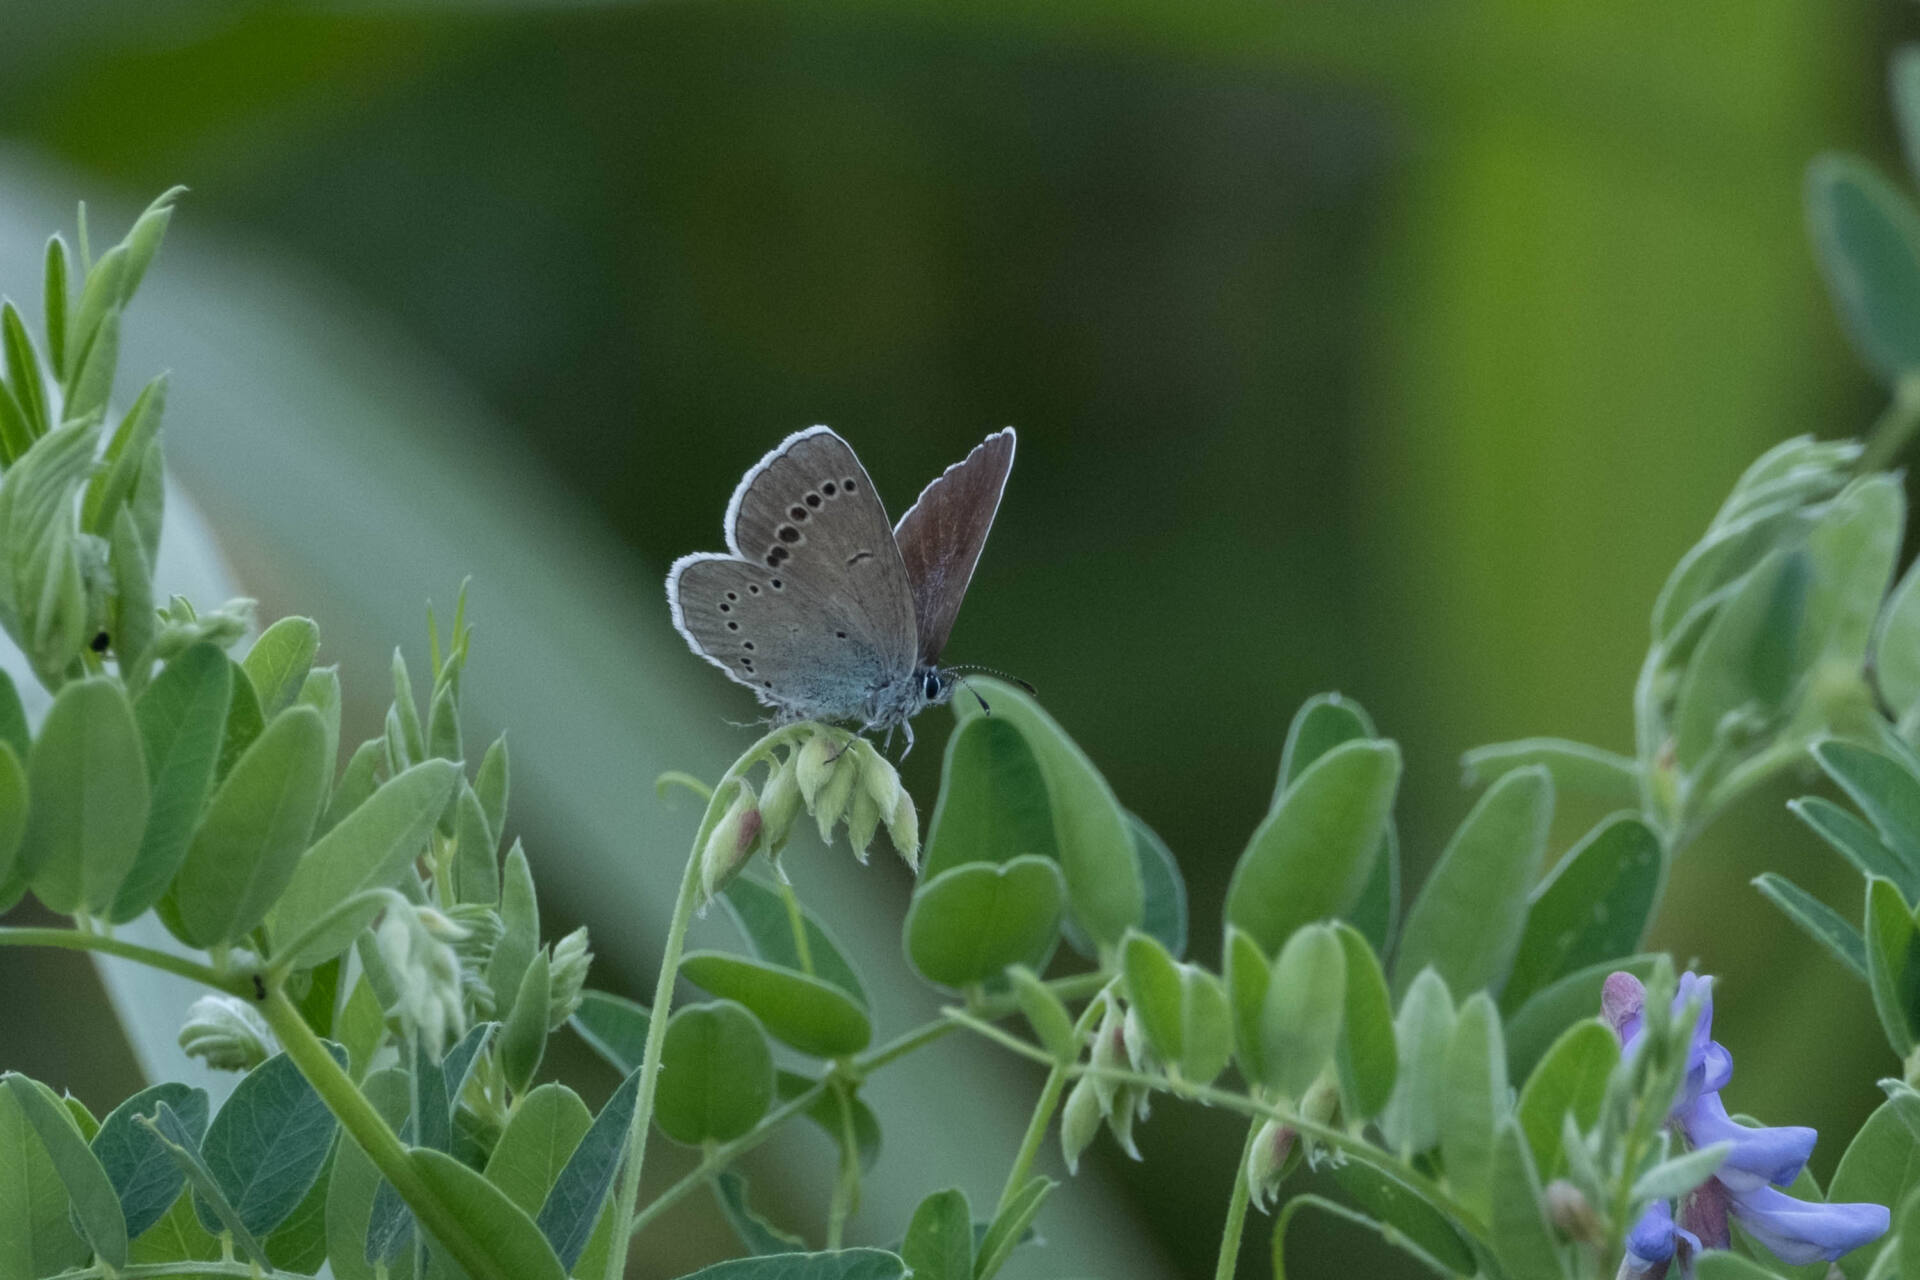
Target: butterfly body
[{"x": 820, "y": 606}]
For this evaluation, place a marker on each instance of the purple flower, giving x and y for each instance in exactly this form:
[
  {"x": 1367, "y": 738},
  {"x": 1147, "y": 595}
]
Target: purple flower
[{"x": 1759, "y": 1159}]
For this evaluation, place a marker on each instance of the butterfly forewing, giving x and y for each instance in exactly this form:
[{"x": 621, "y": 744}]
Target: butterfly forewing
[
  {"x": 813, "y": 610},
  {"x": 941, "y": 535}
]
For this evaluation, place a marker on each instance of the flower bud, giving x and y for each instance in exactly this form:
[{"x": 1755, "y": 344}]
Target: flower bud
[
  {"x": 878, "y": 778},
  {"x": 830, "y": 803},
  {"x": 731, "y": 842},
  {"x": 903, "y": 829},
  {"x": 1126, "y": 1099},
  {"x": 780, "y": 804},
  {"x": 425, "y": 975},
  {"x": 1134, "y": 1034},
  {"x": 481, "y": 929},
  {"x": 1079, "y": 1122},
  {"x": 1267, "y": 1162},
  {"x": 813, "y": 766},
  {"x": 566, "y": 976},
  {"x": 227, "y": 1034},
  {"x": 1109, "y": 1054},
  {"x": 863, "y": 819},
  {"x": 1572, "y": 1215}
]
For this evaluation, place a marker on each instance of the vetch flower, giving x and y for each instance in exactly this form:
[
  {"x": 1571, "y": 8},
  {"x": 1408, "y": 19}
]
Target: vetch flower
[
  {"x": 1758, "y": 1160},
  {"x": 567, "y": 976},
  {"x": 425, "y": 973}
]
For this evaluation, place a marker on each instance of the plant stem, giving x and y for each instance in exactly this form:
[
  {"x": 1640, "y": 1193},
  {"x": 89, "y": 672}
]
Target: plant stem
[
  {"x": 74, "y": 940},
  {"x": 1043, "y": 1108},
  {"x": 1237, "y": 1209},
  {"x": 370, "y": 1132},
  {"x": 1361, "y": 1150},
  {"x": 846, "y": 1188},
  {"x": 626, "y": 1200}
]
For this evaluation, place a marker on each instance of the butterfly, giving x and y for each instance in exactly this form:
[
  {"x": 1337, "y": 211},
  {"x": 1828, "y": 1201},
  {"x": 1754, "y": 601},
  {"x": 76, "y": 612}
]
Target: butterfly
[{"x": 821, "y": 607}]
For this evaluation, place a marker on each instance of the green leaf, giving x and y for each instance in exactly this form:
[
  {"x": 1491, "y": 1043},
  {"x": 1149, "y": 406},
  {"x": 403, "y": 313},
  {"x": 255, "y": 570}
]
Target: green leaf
[
  {"x": 1592, "y": 907},
  {"x": 939, "y": 1243},
  {"x": 1248, "y": 975},
  {"x": 1576, "y": 768},
  {"x": 1533, "y": 1028},
  {"x": 1521, "y": 1237},
  {"x": 1881, "y": 1165},
  {"x": 1673, "y": 1178},
  {"x": 497, "y": 1226},
  {"x": 371, "y": 848},
  {"x": 716, "y": 1074},
  {"x": 89, "y": 384},
  {"x": 1312, "y": 856},
  {"x": 35, "y": 1238},
  {"x": 361, "y": 1027},
  {"x": 523, "y": 1039},
  {"x": 1855, "y": 547},
  {"x": 89, "y": 788},
  {"x": 543, "y": 1132},
  {"x": 96, "y": 1207},
  {"x": 355, "y": 1182},
  {"x": 178, "y": 1237},
  {"x": 1473, "y": 1101},
  {"x": 760, "y": 1237},
  {"x": 490, "y": 783},
  {"x": 244, "y": 722},
  {"x": 249, "y": 842},
  {"x": 54, "y": 304},
  {"x": 13, "y": 719},
  {"x": 1091, "y": 834},
  {"x": 613, "y": 1026},
  {"x": 1385, "y": 1196},
  {"x": 13, "y": 813},
  {"x": 1865, "y": 235},
  {"x": 268, "y": 1143},
  {"x": 1886, "y": 791},
  {"x": 1155, "y": 993},
  {"x": 321, "y": 691},
  {"x": 1746, "y": 661},
  {"x": 1388, "y": 1234},
  {"x": 443, "y": 725},
  {"x": 1733, "y": 546},
  {"x": 1366, "y": 1058},
  {"x": 1052, "y": 1024},
  {"x": 1324, "y": 722},
  {"x": 1423, "y": 1030},
  {"x": 812, "y": 1016},
  {"x": 357, "y": 782},
  {"x": 143, "y": 240},
  {"x": 1819, "y": 921},
  {"x": 404, "y": 715},
  {"x": 111, "y": 487},
  {"x": 207, "y": 1193},
  {"x": 520, "y": 932},
  {"x": 1856, "y": 842},
  {"x": 1570, "y": 1080},
  {"x": 182, "y": 715},
  {"x": 148, "y": 501},
  {"x": 1467, "y": 922},
  {"x": 476, "y": 856},
  {"x": 1896, "y": 647},
  {"x": 1893, "y": 963},
  {"x": 760, "y": 912},
  {"x": 144, "y": 1176},
  {"x": 1721, "y": 1265},
  {"x": 16, "y": 434},
  {"x": 843, "y": 1264},
  {"x": 299, "y": 1244},
  {"x": 1010, "y": 1227},
  {"x": 279, "y": 662},
  {"x": 131, "y": 622},
  {"x": 1300, "y": 1019},
  {"x": 1163, "y": 889},
  {"x": 572, "y": 1207},
  {"x": 24, "y": 378},
  {"x": 968, "y": 923}
]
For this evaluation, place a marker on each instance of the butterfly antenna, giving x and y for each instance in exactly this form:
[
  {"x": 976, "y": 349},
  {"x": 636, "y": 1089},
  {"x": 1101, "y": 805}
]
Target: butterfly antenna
[
  {"x": 966, "y": 684},
  {"x": 989, "y": 671}
]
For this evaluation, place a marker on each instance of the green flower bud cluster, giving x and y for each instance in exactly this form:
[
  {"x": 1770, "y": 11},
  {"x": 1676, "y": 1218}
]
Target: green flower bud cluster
[
  {"x": 837, "y": 779},
  {"x": 567, "y": 976},
  {"x": 414, "y": 943},
  {"x": 1118, "y": 1045},
  {"x": 226, "y": 1034}
]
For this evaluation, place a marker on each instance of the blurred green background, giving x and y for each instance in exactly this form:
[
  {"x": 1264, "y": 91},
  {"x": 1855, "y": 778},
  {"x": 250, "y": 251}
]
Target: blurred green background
[{"x": 1394, "y": 349}]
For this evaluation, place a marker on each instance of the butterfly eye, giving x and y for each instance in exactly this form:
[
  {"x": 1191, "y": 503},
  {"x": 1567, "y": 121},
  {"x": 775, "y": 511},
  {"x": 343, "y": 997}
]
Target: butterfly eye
[{"x": 930, "y": 684}]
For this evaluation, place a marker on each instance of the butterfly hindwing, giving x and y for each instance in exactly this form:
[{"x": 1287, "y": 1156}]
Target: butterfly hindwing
[
  {"x": 813, "y": 609},
  {"x": 941, "y": 535}
]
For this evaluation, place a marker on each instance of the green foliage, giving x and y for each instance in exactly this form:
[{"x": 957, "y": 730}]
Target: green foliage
[
  {"x": 716, "y": 1076},
  {"x": 968, "y": 923}
]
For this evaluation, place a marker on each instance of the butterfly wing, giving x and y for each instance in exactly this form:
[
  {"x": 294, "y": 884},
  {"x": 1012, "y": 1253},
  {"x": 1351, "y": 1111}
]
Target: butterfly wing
[
  {"x": 812, "y": 610},
  {"x": 941, "y": 535}
]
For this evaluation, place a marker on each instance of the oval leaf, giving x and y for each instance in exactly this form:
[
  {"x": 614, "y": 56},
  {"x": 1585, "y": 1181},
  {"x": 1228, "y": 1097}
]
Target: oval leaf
[
  {"x": 807, "y": 1013},
  {"x": 1570, "y": 1080},
  {"x": 96, "y": 1206},
  {"x": 993, "y": 799},
  {"x": 1467, "y": 921},
  {"x": 1300, "y": 1020},
  {"x": 967, "y": 924},
  {"x": 88, "y": 782},
  {"x": 182, "y": 715},
  {"x": 1312, "y": 856},
  {"x": 267, "y": 1145},
  {"x": 498, "y": 1226},
  {"x": 542, "y": 1134},
  {"x": 144, "y": 1176},
  {"x": 1366, "y": 1059},
  {"x": 1593, "y": 907},
  {"x": 716, "y": 1074},
  {"x": 761, "y": 913},
  {"x": 370, "y": 849},
  {"x": 250, "y": 840},
  {"x": 1867, "y": 239},
  {"x": 278, "y": 663},
  {"x": 843, "y": 1264},
  {"x": 572, "y": 1207},
  {"x": 613, "y": 1027},
  {"x": 1090, "y": 828}
]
